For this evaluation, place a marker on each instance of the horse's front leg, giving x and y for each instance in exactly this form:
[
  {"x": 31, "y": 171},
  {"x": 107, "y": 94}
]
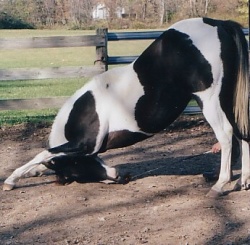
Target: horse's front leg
[
  {"x": 38, "y": 171},
  {"x": 20, "y": 172}
]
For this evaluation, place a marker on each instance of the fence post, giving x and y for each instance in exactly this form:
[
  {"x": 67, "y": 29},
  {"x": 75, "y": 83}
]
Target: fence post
[{"x": 102, "y": 51}]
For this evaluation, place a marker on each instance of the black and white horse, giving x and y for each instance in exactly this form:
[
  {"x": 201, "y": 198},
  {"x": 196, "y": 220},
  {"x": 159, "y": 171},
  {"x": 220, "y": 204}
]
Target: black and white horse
[{"x": 197, "y": 58}]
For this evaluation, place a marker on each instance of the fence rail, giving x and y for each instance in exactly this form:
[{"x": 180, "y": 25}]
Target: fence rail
[
  {"x": 144, "y": 35},
  {"x": 30, "y": 104},
  {"x": 100, "y": 41},
  {"x": 45, "y": 73},
  {"x": 52, "y": 42}
]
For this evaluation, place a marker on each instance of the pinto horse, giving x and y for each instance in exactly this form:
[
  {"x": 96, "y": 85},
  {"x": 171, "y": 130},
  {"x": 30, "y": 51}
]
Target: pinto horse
[{"x": 199, "y": 58}]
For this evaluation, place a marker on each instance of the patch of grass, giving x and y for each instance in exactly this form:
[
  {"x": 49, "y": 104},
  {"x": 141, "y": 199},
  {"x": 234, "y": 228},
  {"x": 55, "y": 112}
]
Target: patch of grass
[
  {"x": 27, "y": 89},
  {"x": 127, "y": 48},
  {"x": 27, "y": 116},
  {"x": 35, "y": 89},
  {"x": 50, "y": 57}
]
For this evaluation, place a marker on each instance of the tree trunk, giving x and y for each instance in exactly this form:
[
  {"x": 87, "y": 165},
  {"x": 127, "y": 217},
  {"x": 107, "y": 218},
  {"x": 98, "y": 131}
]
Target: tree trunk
[{"x": 162, "y": 12}]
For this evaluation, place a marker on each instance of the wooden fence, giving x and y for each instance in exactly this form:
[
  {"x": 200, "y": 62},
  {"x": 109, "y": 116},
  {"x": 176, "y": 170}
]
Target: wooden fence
[{"x": 100, "y": 41}]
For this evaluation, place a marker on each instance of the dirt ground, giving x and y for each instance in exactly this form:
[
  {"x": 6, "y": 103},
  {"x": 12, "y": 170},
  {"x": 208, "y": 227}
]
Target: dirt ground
[{"x": 165, "y": 203}]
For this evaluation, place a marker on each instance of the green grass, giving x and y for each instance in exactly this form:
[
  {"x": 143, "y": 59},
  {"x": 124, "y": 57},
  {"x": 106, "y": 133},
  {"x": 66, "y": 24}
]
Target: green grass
[
  {"x": 127, "y": 48},
  {"x": 35, "y": 89},
  {"x": 50, "y": 57},
  {"x": 27, "y": 116},
  {"x": 28, "y": 89}
]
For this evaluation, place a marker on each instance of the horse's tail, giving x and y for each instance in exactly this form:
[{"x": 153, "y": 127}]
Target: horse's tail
[{"x": 241, "y": 92}]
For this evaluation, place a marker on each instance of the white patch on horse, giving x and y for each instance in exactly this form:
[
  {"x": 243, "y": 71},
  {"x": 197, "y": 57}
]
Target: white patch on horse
[
  {"x": 110, "y": 171},
  {"x": 114, "y": 100},
  {"x": 57, "y": 135},
  {"x": 197, "y": 29},
  {"x": 115, "y": 103}
]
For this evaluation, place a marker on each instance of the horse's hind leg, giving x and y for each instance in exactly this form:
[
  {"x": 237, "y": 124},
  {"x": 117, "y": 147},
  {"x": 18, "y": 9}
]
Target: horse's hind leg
[
  {"x": 20, "y": 172},
  {"x": 245, "y": 175},
  {"x": 223, "y": 131},
  {"x": 244, "y": 181}
]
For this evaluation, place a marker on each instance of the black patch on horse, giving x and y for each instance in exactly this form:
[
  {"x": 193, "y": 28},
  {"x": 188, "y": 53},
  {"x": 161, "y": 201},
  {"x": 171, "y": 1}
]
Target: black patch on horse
[
  {"x": 170, "y": 70},
  {"x": 82, "y": 127},
  {"x": 121, "y": 138}
]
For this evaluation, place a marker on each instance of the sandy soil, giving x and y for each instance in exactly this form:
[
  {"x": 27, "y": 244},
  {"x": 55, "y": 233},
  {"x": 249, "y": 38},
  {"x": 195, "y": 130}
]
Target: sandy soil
[{"x": 165, "y": 203}]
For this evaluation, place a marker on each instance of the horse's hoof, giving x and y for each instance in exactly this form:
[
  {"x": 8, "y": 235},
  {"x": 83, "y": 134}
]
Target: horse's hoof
[
  {"x": 214, "y": 194},
  {"x": 8, "y": 187},
  {"x": 237, "y": 187},
  {"x": 245, "y": 187}
]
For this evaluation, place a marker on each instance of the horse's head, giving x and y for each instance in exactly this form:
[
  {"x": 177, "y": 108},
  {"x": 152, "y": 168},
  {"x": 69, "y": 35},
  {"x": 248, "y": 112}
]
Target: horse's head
[{"x": 82, "y": 169}]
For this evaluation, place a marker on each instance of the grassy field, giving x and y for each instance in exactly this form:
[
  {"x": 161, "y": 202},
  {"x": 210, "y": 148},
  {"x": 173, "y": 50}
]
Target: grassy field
[{"x": 52, "y": 57}]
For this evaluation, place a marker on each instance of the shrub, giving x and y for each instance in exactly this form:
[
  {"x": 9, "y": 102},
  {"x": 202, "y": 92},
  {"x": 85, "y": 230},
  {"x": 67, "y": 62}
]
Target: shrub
[{"x": 10, "y": 22}]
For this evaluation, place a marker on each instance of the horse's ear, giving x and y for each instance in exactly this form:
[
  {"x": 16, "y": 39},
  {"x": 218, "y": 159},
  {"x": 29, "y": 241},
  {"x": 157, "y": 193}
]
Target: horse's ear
[{"x": 50, "y": 164}]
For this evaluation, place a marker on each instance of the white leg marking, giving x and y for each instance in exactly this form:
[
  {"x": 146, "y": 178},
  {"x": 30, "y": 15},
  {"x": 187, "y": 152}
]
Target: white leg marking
[
  {"x": 245, "y": 158},
  {"x": 223, "y": 131},
  {"x": 44, "y": 156},
  {"x": 225, "y": 168},
  {"x": 111, "y": 172}
]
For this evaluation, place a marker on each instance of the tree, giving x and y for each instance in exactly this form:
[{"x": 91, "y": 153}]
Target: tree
[
  {"x": 80, "y": 12},
  {"x": 167, "y": 10},
  {"x": 138, "y": 13},
  {"x": 243, "y": 10},
  {"x": 199, "y": 8}
]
